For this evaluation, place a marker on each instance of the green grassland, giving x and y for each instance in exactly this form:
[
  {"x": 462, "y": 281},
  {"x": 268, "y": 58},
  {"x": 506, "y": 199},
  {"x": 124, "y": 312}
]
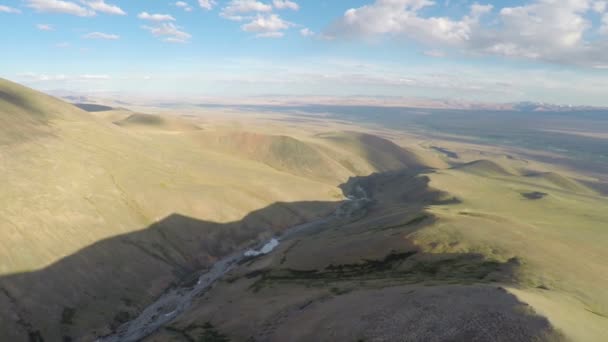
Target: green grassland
[
  {"x": 73, "y": 179},
  {"x": 102, "y": 211}
]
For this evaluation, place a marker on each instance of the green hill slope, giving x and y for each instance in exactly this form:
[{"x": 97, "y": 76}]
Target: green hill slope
[
  {"x": 485, "y": 168},
  {"x": 72, "y": 179},
  {"x": 26, "y": 114}
]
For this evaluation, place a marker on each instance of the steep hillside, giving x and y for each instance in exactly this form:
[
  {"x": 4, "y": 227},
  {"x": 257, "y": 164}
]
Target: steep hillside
[
  {"x": 381, "y": 274},
  {"x": 26, "y": 114},
  {"x": 554, "y": 179},
  {"x": 72, "y": 180},
  {"x": 102, "y": 212},
  {"x": 282, "y": 153},
  {"x": 381, "y": 154},
  {"x": 485, "y": 168},
  {"x": 75, "y": 179}
]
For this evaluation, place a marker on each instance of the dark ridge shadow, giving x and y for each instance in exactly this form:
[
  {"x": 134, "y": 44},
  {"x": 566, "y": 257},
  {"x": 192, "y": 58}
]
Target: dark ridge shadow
[
  {"x": 600, "y": 186},
  {"x": 408, "y": 313},
  {"x": 91, "y": 107},
  {"x": 403, "y": 187},
  {"x": 389, "y": 291},
  {"x": 92, "y": 291},
  {"x": 95, "y": 290},
  {"x": 535, "y": 195},
  {"x": 445, "y": 151},
  {"x": 21, "y": 102}
]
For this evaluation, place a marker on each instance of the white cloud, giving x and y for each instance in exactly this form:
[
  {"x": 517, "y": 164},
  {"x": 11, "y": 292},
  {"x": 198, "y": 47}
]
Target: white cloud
[
  {"x": 285, "y": 4},
  {"x": 42, "y": 77},
  {"x": 183, "y": 5},
  {"x": 401, "y": 17},
  {"x": 32, "y": 76},
  {"x": 155, "y": 17},
  {"x": 604, "y": 27},
  {"x": 600, "y": 6},
  {"x": 102, "y": 6},
  {"x": 62, "y": 45},
  {"x": 549, "y": 30},
  {"x": 237, "y": 10},
  {"x": 207, "y": 4},
  {"x": 267, "y": 26},
  {"x": 94, "y": 77},
  {"x": 6, "y": 9},
  {"x": 101, "y": 35},
  {"x": 306, "y": 32},
  {"x": 170, "y": 32},
  {"x": 60, "y": 6},
  {"x": 45, "y": 27}
]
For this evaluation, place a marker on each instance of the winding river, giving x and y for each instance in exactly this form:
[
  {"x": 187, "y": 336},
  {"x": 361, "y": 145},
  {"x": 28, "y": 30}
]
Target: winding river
[{"x": 176, "y": 300}]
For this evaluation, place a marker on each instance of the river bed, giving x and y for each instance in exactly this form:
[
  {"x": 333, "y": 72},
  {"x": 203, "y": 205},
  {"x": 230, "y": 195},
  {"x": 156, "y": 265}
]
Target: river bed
[{"x": 176, "y": 300}]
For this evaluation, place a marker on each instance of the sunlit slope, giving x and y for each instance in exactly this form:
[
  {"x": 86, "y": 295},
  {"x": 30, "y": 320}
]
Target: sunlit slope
[
  {"x": 485, "y": 168},
  {"x": 73, "y": 179},
  {"x": 376, "y": 153},
  {"x": 350, "y": 279},
  {"x": 26, "y": 114},
  {"x": 329, "y": 158},
  {"x": 553, "y": 179},
  {"x": 553, "y": 224}
]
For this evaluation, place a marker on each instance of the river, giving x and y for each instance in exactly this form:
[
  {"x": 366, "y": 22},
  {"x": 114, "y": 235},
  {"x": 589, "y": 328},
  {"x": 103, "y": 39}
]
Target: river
[{"x": 176, "y": 300}]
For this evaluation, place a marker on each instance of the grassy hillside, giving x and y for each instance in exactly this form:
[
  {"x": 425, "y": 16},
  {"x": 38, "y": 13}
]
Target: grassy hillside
[
  {"x": 382, "y": 154},
  {"x": 26, "y": 114},
  {"x": 485, "y": 168},
  {"x": 373, "y": 276},
  {"x": 74, "y": 179},
  {"x": 103, "y": 211},
  {"x": 554, "y": 225}
]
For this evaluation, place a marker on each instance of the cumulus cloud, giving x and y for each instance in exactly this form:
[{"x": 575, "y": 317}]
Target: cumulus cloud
[
  {"x": 45, "y": 27},
  {"x": 600, "y": 6},
  {"x": 6, "y": 9},
  {"x": 169, "y": 32},
  {"x": 102, "y": 6},
  {"x": 183, "y": 5},
  {"x": 207, "y": 4},
  {"x": 59, "y": 6},
  {"x": 306, "y": 32},
  {"x": 239, "y": 10},
  {"x": 285, "y": 4},
  {"x": 267, "y": 26},
  {"x": 155, "y": 17},
  {"x": 101, "y": 35},
  {"x": 548, "y": 30},
  {"x": 401, "y": 17}
]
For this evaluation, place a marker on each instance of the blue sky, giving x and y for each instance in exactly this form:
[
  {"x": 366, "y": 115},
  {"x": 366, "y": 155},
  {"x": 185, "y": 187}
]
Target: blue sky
[{"x": 491, "y": 51}]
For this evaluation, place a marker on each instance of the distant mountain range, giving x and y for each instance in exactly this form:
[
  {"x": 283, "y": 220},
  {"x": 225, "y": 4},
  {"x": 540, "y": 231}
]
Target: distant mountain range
[{"x": 114, "y": 99}]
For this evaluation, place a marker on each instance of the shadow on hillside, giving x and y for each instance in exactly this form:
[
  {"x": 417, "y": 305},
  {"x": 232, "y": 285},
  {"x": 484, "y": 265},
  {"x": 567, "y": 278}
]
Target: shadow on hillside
[
  {"x": 124, "y": 273},
  {"x": 92, "y": 107},
  {"x": 114, "y": 279},
  {"x": 19, "y": 101}
]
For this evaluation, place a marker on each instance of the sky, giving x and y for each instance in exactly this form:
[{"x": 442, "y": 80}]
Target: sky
[{"x": 485, "y": 51}]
